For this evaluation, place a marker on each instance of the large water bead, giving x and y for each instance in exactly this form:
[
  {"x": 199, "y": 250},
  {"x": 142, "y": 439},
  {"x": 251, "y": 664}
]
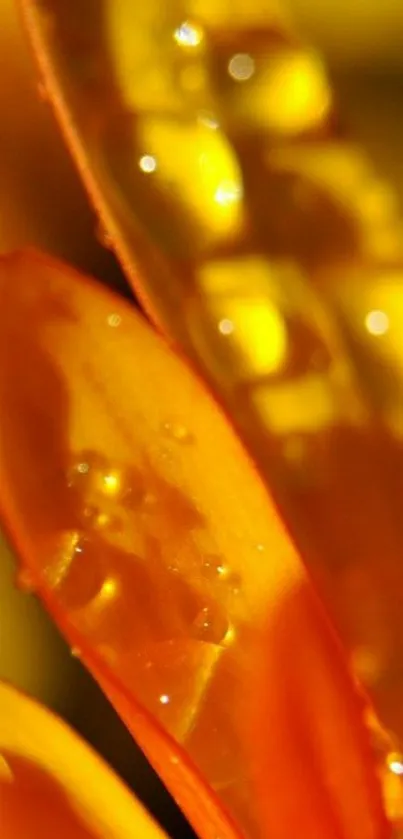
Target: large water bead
[{"x": 123, "y": 599}]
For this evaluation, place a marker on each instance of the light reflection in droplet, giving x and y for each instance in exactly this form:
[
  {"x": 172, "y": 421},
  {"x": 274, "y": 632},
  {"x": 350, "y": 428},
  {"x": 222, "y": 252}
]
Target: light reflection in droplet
[
  {"x": 211, "y": 624},
  {"x": 114, "y": 320},
  {"x": 83, "y": 468},
  {"x": 214, "y": 568},
  {"x": 228, "y": 192},
  {"x": 241, "y": 67},
  {"x": 109, "y": 589},
  {"x": 226, "y": 326},
  {"x": 208, "y": 120},
  {"x": 164, "y": 699},
  {"x": 188, "y": 34},
  {"x": 377, "y": 322},
  {"x": 177, "y": 431},
  {"x": 148, "y": 163},
  {"x": 111, "y": 483},
  {"x": 395, "y": 763}
]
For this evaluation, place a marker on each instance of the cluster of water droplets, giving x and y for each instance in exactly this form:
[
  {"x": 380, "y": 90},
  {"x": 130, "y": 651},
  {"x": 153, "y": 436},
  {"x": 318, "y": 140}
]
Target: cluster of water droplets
[{"x": 138, "y": 575}]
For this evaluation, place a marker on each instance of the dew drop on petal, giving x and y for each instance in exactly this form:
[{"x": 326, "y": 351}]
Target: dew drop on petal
[
  {"x": 188, "y": 34},
  {"x": 148, "y": 164},
  {"x": 178, "y": 432},
  {"x": 377, "y": 322},
  {"x": 76, "y": 572},
  {"x": 241, "y": 67},
  {"x": 395, "y": 763},
  {"x": 114, "y": 320},
  {"x": 226, "y": 326},
  {"x": 210, "y": 625},
  {"x": 214, "y": 567}
]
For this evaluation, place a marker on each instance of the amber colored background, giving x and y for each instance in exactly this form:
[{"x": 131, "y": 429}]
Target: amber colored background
[{"x": 42, "y": 203}]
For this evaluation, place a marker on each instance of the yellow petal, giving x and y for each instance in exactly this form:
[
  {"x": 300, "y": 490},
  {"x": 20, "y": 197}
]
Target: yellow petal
[{"x": 52, "y": 784}]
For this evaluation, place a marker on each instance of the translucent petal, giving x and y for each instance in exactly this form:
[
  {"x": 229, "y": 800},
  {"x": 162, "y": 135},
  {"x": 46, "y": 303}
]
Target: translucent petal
[{"x": 147, "y": 532}]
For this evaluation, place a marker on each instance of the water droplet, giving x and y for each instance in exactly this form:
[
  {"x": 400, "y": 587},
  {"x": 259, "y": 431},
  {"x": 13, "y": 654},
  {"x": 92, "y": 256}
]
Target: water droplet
[
  {"x": 75, "y": 652},
  {"x": 211, "y": 625},
  {"x": 178, "y": 432},
  {"x": 103, "y": 236},
  {"x": 226, "y": 326},
  {"x": 102, "y": 521},
  {"x": 111, "y": 483},
  {"x": 392, "y": 787},
  {"x": 377, "y": 322},
  {"x": 77, "y": 572},
  {"x": 241, "y": 67},
  {"x": 228, "y": 192},
  {"x": 164, "y": 699},
  {"x": 188, "y": 34},
  {"x": 209, "y": 120},
  {"x": 110, "y": 590},
  {"x": 214, "y": 567},
  {"x": 114, "y": 320},
  {"x": 260, "y": 548},
  {"x": 6, "y": 775},
  {"x": 25, "y": 580},
  {"x": 94, "y": 475},
  {"x": 148, "y": 164},
  {"x": 80, "y": 469},
  {"x": 395, "y": 763}
]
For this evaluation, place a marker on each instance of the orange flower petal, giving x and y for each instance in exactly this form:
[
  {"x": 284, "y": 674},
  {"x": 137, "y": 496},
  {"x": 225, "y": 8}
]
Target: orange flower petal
[
  {"x": 52, "y": 784},
  {"x": 312, "y": 756},
  {"x": 149, "y": 535}
]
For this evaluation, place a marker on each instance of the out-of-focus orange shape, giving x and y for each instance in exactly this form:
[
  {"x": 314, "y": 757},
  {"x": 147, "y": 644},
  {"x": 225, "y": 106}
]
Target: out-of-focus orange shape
[
  {"x": 53, "y": 785},
  {"x": 145, "y": 529}
]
